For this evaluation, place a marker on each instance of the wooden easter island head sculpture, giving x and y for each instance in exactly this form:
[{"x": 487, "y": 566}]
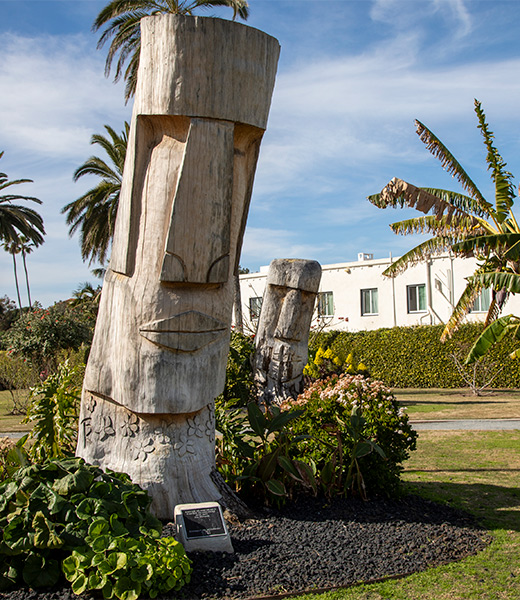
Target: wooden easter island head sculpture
[
  {"x": 162, "y": 336},
  {"x": 283, "y": 328}
]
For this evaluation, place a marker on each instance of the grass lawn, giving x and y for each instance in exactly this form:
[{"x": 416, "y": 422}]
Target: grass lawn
[
  {"x": 460, "y": 404},
  {"x": 479, "y": 472},
  {"x": 9, "y": 422}
]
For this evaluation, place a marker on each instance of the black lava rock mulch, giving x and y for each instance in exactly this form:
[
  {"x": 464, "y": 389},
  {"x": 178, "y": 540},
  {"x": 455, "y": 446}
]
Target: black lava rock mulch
[{"x": 314, "y": 545}]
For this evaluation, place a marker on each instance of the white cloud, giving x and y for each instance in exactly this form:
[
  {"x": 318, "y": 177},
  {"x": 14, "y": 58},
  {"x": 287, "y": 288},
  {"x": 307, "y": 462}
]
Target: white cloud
[
  {"x": 458, "y": 9},
  {"x": 54, "y": 94},
  {"x": 354, "y": 111},
  {"x": 261, "y": 245},
  {"x": 413, "y": 13},
  {"x": 54, "y": 97}
]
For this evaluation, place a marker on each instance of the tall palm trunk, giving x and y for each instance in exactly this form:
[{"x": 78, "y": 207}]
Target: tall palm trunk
[
  {"x": 16, "y": 281},
  {"x": 24, "y": 256}
]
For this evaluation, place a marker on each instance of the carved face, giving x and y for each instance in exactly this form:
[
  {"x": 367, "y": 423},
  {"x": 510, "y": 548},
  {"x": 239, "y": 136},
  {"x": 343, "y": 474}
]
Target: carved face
[
  {"x": 193, "y": 252},
  {"x": 163, "y": 331},
  {"x": 162, "y": 335},
  {"x": 283, "y": 330},
  {"x": 288, "y": 330}
]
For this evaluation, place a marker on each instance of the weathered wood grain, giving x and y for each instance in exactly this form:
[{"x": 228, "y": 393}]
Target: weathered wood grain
[
  {"x": 283, "y": 328},
  {"x": 160, "y": 347}
]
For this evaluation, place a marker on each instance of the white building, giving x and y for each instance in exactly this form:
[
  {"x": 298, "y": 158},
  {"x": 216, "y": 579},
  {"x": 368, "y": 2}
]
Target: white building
[{"x": 356, "y": 296}]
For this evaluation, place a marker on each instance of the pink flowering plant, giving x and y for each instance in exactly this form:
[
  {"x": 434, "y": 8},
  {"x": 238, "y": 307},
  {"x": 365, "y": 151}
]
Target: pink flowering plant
[{"x": 359, "y": 436}]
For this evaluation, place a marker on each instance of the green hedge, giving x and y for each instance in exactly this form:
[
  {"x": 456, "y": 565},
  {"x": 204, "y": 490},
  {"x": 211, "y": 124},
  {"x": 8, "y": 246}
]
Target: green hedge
[{"x": 415, "y": 357}]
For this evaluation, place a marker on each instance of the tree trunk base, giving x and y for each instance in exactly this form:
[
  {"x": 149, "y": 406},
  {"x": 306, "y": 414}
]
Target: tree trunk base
[{"x": 230, "y": 501}]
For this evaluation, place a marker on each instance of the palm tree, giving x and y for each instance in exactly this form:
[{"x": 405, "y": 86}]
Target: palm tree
[
  {"x": 14, "y": 248},
  {"x": 23, "y": 247},
  {"x": 86, "y": 292},
  {"x": 465, "y": 224},
  {"x": 122, "y": 18},
  {"x": 17, "y": 220},
  {"x": 94, "y": 213},
  {"x": 20, "y": 226},
  {"x": 26, "y": 247}
]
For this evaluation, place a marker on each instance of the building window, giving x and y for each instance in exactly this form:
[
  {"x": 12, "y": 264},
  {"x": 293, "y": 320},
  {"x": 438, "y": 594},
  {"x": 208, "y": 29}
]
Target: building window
[
  {"x": 416, "y": 295},
  {"x": 325, "y": 304},
  {"x": 255, "y": 306},
  {"x": 483, "y": 301},
  {"x": 369, "y": 302}
]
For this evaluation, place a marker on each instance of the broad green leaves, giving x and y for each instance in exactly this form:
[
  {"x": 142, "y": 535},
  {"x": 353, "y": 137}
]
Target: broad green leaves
[
  {"x": 493, "y": 334},
  {"x": 90, "y": 520}
]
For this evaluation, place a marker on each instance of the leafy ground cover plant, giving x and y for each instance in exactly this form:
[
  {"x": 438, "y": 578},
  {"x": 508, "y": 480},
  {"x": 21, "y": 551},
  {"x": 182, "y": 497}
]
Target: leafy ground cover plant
[
  {"x": 358, "y": 434},
  {"x": 126, "y": 567},
  {"x": 12, "y": 457},
  {"x": 68, "y": 509}
]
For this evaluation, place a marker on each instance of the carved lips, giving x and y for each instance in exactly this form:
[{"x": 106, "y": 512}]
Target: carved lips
[{"x": 185, "y": 332}]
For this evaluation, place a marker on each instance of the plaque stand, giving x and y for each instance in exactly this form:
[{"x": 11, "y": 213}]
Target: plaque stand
[{"x": 202, "y": 527}]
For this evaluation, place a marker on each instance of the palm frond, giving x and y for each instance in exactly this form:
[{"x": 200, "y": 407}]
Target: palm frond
[
  {"x": 131, "y": 76},
  {"x": 98, "y": 167},
  {"x": 5, "y": 184},
  {"x": 115, "y": 8},
  {"x": 457, "y": 228},
  {"x": 504, "y": 189},
  {"x": 399, "y": 193},
  {"x": 240, "y": 7},
  {"x": 495, "y": 307},
  {"x": 17, "y": 221},
  {"x": 464, "y": 305},
  {"x": 493, "y": 334},
  {"x": 121, "y": 20},
  {"x": 450, "y": 163},
  {"x": 94, "y": 213},
  {"x": 509, "y": 282},
  {"x": 499, "y": 244},
  {"x": 462, "y": 202},
  {"x": 420, "y": 253}
]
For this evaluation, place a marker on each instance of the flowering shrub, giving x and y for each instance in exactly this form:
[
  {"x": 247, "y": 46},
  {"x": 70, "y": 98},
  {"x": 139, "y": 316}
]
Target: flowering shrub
[
  {"x": 326, "y": 362},
  {"x": 38, "y": 335},
  {"x": 328, "y": 407}
]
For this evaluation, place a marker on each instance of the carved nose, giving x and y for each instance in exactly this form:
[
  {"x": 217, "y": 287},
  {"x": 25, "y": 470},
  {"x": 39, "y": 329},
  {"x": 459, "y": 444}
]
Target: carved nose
[
  {"x": 198, "y": 244},
  {"x": 288, "y": 327}
]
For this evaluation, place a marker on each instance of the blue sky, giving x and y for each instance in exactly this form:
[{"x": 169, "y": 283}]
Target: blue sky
[{"x": 353, "y": 75}]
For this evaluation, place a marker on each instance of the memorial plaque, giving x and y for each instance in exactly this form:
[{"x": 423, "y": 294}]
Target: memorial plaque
[
  {"x": 202, "y": 527},
  {"x": 202, "y": 522}
]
